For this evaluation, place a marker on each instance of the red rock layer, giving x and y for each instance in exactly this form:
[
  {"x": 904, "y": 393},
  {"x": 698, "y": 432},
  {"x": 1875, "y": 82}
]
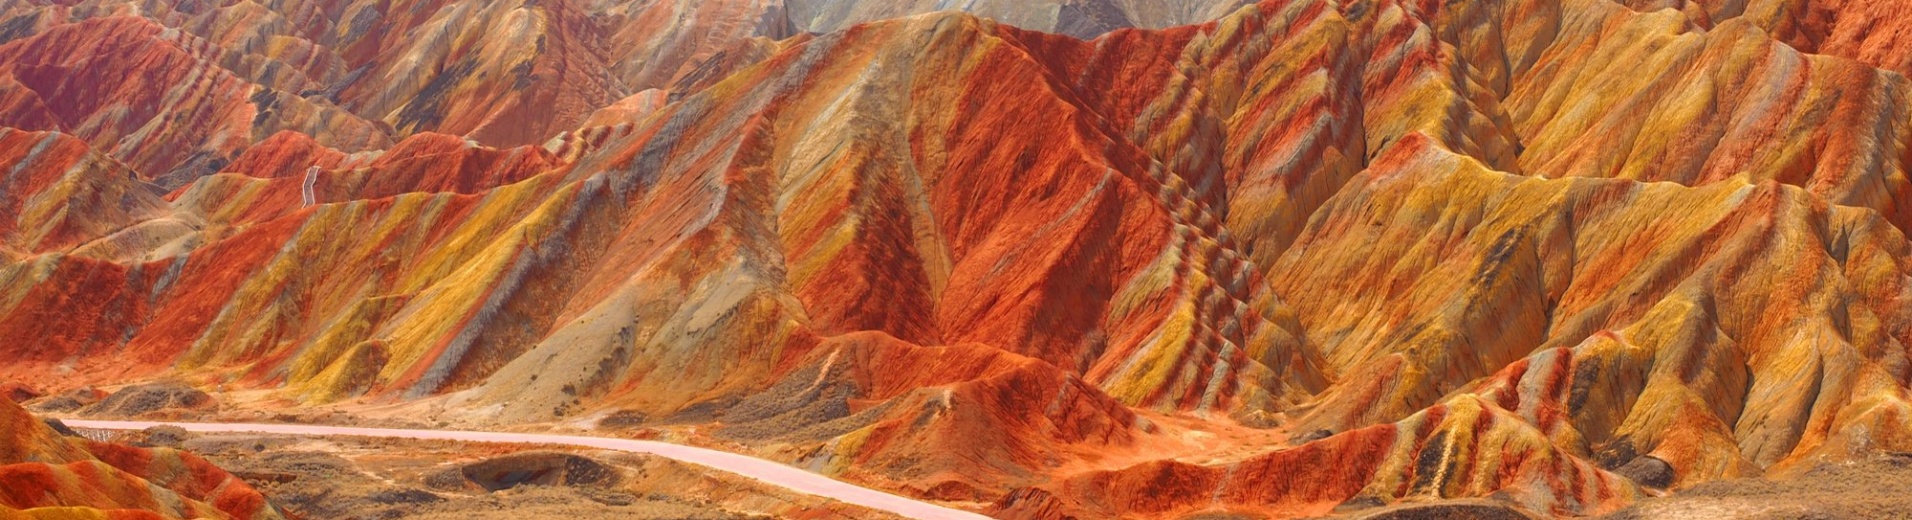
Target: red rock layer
[
  {"x": 286, "y": 155},
  {"x": 152, "y": 99},
  {"x": 63, "y": 196},
  {"x": 653, "y": 44},
  {"x": 985, "y": 411},
  {"x": 422, "y": 163},
  {"x": 1520, "y": 240},
  {"x": 50, "y": 476},
  {"x": 1466, "y": 447},
  {"x": 1876, "y": 32}
]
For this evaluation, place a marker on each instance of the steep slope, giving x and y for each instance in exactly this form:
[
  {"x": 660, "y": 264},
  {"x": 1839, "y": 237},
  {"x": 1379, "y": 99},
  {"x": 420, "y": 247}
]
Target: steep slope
[{"x": 1502, "y": 248}]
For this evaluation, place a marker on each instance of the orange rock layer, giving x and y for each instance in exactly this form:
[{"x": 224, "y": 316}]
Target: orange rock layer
[
  {"x": 48, "y": 476},
  {"x": 1450, "y": 249}
]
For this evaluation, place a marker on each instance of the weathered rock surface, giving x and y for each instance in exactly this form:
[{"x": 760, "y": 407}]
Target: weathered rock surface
[{"x": 1491, "y": 249}]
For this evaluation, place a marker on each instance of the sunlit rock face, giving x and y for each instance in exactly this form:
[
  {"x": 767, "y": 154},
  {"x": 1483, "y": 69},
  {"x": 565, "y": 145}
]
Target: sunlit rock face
[{"x": 1377, "y": 251}]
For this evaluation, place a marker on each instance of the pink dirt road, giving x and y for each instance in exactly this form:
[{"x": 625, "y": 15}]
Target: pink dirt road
[{"x": 767, "y": 471}]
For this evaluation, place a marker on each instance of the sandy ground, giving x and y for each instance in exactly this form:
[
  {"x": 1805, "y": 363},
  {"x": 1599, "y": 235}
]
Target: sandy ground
[
  {"x": 1879, "y": 488},
  {"x": 353, "y": 478}
]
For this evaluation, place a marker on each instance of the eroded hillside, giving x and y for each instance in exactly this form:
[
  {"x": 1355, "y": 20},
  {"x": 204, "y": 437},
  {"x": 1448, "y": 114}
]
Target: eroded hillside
[{"x": 1410, "y": 249}]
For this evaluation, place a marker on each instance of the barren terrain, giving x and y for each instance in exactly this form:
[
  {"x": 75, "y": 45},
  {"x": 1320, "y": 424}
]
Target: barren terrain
[{"x": 367, "y": 478}]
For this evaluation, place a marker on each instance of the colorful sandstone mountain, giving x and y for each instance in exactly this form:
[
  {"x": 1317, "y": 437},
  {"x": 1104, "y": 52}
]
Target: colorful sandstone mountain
[
  {"x": 1080, "y": 18},
  {"x": 1307, "y": 254}
]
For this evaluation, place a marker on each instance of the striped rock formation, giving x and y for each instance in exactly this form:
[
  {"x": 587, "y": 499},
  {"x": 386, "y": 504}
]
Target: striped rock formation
[
  {"x": 52, "y": 477},
  {"x": 357, "y": 74},
  {"x": 1468, "y": 446},
  {"x": 1411, "y": 249},
  {"x": 1876, "y": 33},
  {"x": 1080, "y": 18},
  {"x": 155, "y": 98},
  {"x": 63, "y": 197}
]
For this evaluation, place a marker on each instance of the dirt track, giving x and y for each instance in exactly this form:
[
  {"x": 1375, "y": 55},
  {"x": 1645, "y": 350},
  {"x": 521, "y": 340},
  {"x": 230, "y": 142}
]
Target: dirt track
[{"x": 763, "y": 470}]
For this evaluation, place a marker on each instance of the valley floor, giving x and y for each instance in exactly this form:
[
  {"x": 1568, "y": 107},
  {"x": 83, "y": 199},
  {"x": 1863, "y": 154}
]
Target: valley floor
[
  {"x": 366, "y": 478},
  {"x": 344, "y": 477},
  {"x": 1880, "y": 488}
]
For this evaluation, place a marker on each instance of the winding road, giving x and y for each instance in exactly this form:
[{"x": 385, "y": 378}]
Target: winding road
[{"x": 769, "y": 472}]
